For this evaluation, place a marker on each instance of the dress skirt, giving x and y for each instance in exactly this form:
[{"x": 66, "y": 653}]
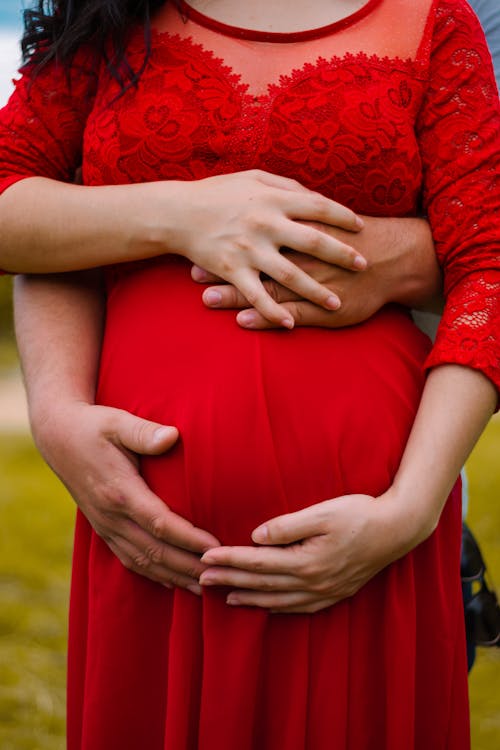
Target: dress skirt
[{"x": 270, "y": 422}]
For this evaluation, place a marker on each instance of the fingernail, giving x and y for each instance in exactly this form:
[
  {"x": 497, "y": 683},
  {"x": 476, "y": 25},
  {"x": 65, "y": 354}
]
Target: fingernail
[
  {"x": 232, "y": 599},
  {"x": 288, "y": 323},
  {"x": 206, "y": 580},
  {"x": 333, "y": 302},
  {"x": 359, "y": 222},
  {"x": 247, "y": 318},
  {"x": 261, "y": 534},
  {"x": 212, "y": 298},
  {"x": 206, "y": 559},
  {"x": 195, "y": 589},
  {"x": 360, "y": 262},
  {"x": 162, "y": 433}
]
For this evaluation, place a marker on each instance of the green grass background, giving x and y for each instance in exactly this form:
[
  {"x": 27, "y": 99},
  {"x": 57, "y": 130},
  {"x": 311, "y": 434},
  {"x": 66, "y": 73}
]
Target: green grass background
[{"x": 36, "y": 518}]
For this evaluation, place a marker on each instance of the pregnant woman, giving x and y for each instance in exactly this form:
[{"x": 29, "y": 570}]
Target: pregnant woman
[{"x": 295, "y": 642}]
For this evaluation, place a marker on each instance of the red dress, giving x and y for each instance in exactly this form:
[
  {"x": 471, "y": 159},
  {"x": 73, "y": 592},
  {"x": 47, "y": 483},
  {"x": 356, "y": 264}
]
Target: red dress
[{"x": 391, "y": 124}]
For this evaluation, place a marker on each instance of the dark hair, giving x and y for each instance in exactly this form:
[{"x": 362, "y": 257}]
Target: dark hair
[{"x": 55, "y": 29}]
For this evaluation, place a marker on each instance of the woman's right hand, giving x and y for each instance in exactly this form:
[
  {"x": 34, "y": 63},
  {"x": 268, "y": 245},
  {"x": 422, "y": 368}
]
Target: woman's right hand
[
  {"x": 235, "y": 225},
  {"x": 94, "y": 451}
]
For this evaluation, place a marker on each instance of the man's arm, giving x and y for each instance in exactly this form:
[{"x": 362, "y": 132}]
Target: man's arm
[{"x": 93, "y": 448}]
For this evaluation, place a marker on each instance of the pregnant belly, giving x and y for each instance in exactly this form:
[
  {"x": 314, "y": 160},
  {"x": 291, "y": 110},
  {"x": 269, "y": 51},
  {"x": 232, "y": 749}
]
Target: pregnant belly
[{"x": 269, "y": 421}]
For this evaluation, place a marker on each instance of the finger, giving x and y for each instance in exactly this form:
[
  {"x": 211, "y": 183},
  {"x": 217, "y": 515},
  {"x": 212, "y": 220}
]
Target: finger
[
  {"x": 291, "y": 276},
  {"x": 298, "y": 601},
  {"x": 277, "y": 181},
  {"x": 204, "y": 277},
  {"x": 311, "y": 241},
  {"x": 140, "y": 435},
  {"x": 138, "y": 503},
  {"x": 137, "y": 562},
  {"x": 265, "y": 560},
  {"x": 292, "y": 527},
  {"x": 225, "y": 297},
  {"x": 160, "y": 553},
  {"x": 316, "y": 207},
  {"x": 228, "y": 297},
  {"x": 252, "y": 288},
  {"x": 243, "y": 579},
  {"x": 304, "y": 313}
]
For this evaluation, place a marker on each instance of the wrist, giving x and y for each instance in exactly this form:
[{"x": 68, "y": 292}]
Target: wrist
[
  {"x": 50, "y": 417},
  {"x": 166, "y": 218},
  {"x": 416, "y": 279},
  {"x": 409, "y": 518}
]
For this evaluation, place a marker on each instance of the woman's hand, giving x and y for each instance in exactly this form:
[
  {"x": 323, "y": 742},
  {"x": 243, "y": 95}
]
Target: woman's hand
[
  {"x": 331, "y": 550},
  {"x": 235, "y": 225},
  {"x": 93, "y": 449},
  {"x": 402, "y": 268}
]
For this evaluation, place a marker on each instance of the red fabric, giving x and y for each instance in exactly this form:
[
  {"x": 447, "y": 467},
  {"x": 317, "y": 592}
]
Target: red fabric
[{"x": 275, "y": 421}]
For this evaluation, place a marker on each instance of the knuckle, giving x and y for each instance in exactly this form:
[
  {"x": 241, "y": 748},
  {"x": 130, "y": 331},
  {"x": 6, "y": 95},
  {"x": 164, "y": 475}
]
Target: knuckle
[
  {"x": 320, "y": 586},
  {"x": 113, "y": 498},
  {"x": 154, "y": 554},
  {"x": 269, "y": 584},
  {"x": 286, "y": 275},
  {"x": 156, "y": 527},
  {"x": 141, "y": 561},
  {"x": 257, "y": 565},
  {"x": 256, "y": 222},
  {"x": 309, "y": 570},
  {"x": 226, "y": 258},
  {"x": 317, "y": 242},
  {"x": 313, "y": 239},
  {"x": 318, "y": 204}
]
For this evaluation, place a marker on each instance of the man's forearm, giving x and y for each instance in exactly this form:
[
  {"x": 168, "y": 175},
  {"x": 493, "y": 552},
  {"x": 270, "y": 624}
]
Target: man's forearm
[
  {"x": 59, "y": 322},
  {"x": 403, "y": 252}
]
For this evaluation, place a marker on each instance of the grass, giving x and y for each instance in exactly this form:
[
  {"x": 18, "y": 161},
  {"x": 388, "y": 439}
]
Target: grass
[
  {"x": 36, "y": 519},
  {"x": 35, "y": 551}
]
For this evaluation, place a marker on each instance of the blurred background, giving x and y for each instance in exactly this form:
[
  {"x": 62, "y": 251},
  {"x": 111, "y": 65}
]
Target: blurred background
[{"x": 36, "y": 520}]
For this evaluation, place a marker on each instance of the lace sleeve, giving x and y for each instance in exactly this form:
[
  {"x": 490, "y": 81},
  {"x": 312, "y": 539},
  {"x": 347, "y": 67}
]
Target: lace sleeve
[
  {"x": 459, "y": 131},
  {"x": 41, "y": 127}
]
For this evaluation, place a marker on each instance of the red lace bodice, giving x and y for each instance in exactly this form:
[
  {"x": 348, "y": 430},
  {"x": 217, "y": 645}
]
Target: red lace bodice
[{"x": 390, "y": 124}]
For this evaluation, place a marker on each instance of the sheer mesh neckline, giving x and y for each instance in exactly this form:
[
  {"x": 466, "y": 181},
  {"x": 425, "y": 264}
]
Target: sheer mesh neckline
[{"x": 276, "y": 36}]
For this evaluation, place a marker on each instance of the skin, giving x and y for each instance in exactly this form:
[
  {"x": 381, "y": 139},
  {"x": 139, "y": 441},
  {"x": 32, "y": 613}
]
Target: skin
[
  {"x": 401, "y": 268},
  {"x": 320, "y": 572},
  {"x": 247, "y": 216},
  {"x": 98, "y": 463}
]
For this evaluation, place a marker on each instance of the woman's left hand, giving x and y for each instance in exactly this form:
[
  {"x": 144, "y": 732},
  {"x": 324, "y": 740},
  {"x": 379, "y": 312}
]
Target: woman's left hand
[{"x": 331, "y": 550}]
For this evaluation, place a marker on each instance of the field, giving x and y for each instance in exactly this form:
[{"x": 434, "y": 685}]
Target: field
[{"x": 36, "y": 518}]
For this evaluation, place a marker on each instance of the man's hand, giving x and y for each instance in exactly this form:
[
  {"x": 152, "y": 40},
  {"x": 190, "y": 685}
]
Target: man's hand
[
  {"x": 93, "y": 450},
  {"x": 402, "y": 268}
]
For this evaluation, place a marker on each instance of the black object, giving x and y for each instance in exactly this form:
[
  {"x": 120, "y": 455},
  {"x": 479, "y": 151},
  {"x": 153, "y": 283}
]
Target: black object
[{"x": 482, "y": 610}]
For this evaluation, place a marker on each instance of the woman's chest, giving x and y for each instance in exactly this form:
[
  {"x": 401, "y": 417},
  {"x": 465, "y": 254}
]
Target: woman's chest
[{"x": 345, "y": 126}]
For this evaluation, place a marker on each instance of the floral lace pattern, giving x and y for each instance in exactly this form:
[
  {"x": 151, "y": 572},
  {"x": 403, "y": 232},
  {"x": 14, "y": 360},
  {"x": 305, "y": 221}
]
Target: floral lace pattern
[{"x": 386, "y": 136}]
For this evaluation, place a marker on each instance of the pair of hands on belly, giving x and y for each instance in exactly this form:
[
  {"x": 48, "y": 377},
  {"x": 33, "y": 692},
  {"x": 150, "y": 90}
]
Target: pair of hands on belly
[{"x": 333, "y": 547}]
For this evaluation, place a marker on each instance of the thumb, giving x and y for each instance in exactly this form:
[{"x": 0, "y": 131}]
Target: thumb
[
  {"x": 142, "y": 436},
  {"x": 292, "y": 527}
]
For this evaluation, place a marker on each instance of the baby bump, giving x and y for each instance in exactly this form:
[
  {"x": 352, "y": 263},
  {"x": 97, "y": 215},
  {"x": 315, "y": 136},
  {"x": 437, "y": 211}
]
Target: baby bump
[{"x": 269, "y": 421}]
